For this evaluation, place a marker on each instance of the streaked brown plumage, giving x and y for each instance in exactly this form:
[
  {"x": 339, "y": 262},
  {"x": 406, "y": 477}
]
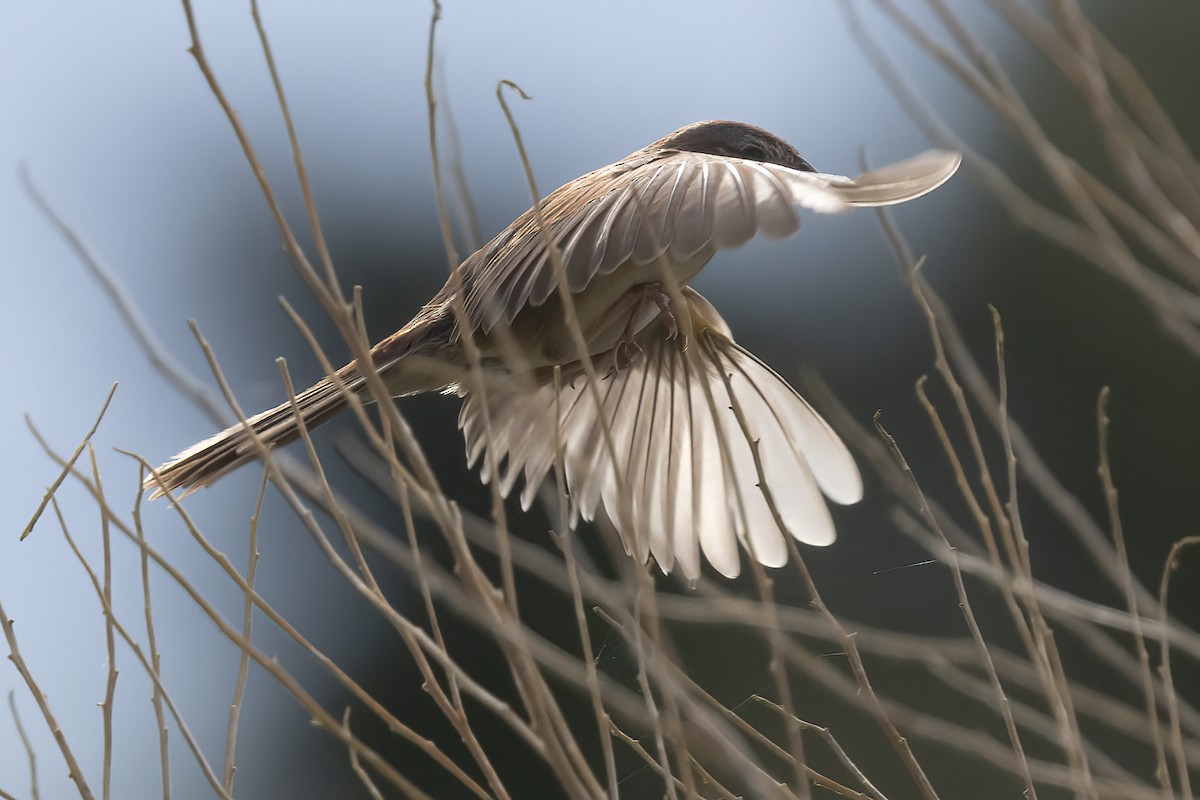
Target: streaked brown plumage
[{"x": 675, "y": 391}]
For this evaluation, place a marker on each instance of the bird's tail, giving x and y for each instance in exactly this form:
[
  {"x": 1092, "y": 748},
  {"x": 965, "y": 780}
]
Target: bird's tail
[
  {"x": 408, "y": 362},
  {"x": 203, "y": 463}
]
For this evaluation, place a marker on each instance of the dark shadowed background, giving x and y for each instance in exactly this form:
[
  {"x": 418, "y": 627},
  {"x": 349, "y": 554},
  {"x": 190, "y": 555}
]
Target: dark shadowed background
[{"x": 115, "y": 123}]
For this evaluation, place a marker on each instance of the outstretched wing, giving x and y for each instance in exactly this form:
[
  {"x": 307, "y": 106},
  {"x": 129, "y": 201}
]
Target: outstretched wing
[
  {"x": 673, "y": 203},
  {"x": 678, "y": 474}
]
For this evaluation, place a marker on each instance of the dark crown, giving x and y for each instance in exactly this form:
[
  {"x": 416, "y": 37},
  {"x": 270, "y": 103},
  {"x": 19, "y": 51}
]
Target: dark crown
[{"x": 734, "y": 140}]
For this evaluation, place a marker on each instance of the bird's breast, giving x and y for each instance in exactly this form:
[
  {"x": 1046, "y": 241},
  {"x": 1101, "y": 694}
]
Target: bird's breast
[{"x": 603, "y": 310}]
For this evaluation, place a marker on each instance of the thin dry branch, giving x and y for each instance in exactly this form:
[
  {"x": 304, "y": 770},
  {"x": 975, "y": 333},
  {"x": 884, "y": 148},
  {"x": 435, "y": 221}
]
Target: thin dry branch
[
  {"x": 70, "y": 462},
  {"x": 1104, "y": 470},
  {"x": 1089, "y": 233},
  {"x": 110, "y": 687},
  {"x": 565, "y": 537},
  {"x": 26, "y": 745},
  {"x": 43, "y": 702},
  {"x": 1000, "y": 697},
  {"x": 239, "y": 688},
  {"x": 319, "y": 715},
  {"x": 355, "y": 764},
  {"x": 1178, "y": 751},
  {"x": 110, "y": 618},
  {"x": 156, "y": 699}
]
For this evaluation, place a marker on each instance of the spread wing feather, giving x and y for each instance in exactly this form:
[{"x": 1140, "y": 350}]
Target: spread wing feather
[
  {"x": 680, "y": 477},
  {"x": 668, "y": 202}
]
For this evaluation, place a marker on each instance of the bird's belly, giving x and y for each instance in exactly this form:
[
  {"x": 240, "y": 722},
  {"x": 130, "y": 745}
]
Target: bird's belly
[{"x": 602, "y": 309}]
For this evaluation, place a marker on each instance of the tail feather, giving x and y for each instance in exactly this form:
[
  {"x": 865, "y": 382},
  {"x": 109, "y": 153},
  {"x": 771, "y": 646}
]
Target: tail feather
[
  {"x": 203, "y": 463},
  {"x": 404, "y": 363}
]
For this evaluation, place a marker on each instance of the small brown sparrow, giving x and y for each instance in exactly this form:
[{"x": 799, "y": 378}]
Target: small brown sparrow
[{"x": 692, "y": 418}]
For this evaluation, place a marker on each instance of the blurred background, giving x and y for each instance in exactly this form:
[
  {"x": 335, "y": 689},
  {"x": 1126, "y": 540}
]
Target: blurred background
[{"x": 112, "y": 118}]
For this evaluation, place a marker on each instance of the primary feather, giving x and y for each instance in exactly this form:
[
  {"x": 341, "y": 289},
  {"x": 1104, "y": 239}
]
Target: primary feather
[{"x": 668, "y": 203}]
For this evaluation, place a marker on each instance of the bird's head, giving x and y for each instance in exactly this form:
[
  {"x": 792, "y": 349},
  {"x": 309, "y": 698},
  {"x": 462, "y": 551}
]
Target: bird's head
[{"x": 734, "y": 140}]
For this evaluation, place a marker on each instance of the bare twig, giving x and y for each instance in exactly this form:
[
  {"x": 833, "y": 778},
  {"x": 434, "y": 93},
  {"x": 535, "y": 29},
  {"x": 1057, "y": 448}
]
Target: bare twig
[
  {"x": 110, "y": 688},
  {"x": 107, "y": 609},
  {"x": 26, "y": 745},
  {"x": 1177, "y": 746},
  {"x": 156, "y": 699},
  {"x": 1000, "y": 697},
  {"x": 1104, "y": 470},
  {"x": 356, "y": 764},
  {"x": 43, "y": 702},
  {"x": 239, "y": 689},
  {"x": 565, "y": 536},
  {"x": 66, "y": 470}
]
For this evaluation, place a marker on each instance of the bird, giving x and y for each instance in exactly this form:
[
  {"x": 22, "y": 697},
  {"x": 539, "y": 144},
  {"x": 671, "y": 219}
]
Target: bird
[{"x": 683, "y": 439}]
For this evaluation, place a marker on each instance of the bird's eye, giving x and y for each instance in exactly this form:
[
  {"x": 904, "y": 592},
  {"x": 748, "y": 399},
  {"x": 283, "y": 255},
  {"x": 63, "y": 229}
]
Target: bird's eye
[{"x": 754, "y": 153}]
